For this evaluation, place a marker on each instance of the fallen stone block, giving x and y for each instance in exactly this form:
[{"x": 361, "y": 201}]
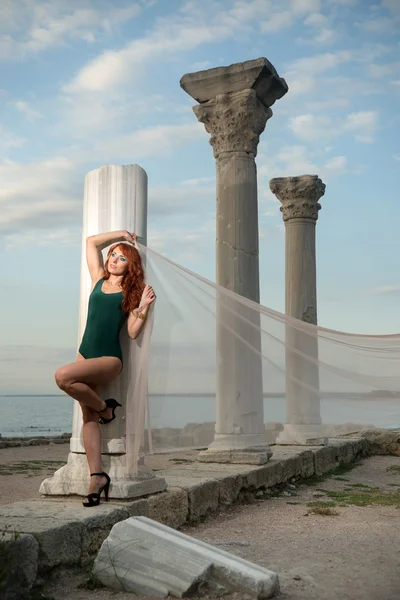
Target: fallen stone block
[
  {"x": 19, "y": 555},
  {"x": 146, "y": 557}
]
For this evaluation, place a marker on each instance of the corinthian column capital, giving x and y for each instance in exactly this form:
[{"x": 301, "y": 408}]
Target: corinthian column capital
[
  {"x": 235, "y": 121},
  {"x": 299, "y": 196},
  {"x": 235, "y": 103}
]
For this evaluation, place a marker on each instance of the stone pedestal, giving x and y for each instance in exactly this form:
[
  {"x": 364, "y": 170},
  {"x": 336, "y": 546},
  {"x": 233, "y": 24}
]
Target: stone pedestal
[
  {"x": 234, "y": 106},
  {"x": 299, "y": 197},
  {"x": 115, "y": 198},
  {"x": 73, "y": 478}
]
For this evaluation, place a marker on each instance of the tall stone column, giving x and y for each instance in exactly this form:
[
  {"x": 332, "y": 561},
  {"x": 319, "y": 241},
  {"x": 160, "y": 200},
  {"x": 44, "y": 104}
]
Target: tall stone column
[
  {"x": 115, "y": 198},
  {"x": 235, "y": 105},
  {"x": 299, "y": 197}
]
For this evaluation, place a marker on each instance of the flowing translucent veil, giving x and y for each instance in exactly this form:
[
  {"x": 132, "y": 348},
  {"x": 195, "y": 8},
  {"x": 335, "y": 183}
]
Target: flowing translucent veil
[{"x": 202, "y": 341}]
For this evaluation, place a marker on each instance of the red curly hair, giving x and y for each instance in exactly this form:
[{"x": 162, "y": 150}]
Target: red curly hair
[{"x": 133, "y": 281}]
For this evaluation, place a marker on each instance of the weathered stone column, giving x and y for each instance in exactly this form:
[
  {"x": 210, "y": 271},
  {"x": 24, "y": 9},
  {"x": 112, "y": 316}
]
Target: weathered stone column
[
  {"x": 299, "y": 197},
  {"x": 234, "y": 106},
  {"x": 115, "y": 198}
]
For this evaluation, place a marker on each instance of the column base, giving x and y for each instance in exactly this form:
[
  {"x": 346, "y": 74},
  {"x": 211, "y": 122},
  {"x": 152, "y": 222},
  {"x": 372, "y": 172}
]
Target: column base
[
  {"x": 73, "y": 479},
  {"x": 302, "y": 435},
  {"x": 248, "y": 449},
  {"x": 109, "y": 445}
]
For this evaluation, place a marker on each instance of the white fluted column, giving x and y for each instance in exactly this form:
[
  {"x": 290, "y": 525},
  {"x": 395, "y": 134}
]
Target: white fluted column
[
  {"x": 299, "y": 197},
  {"x": 234, "y": 106},
  {"x": 115, "y": 198}
]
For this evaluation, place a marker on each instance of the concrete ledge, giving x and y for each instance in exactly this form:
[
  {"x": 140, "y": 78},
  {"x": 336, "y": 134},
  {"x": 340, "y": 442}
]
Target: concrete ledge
[{"x": 69, "y": 534}]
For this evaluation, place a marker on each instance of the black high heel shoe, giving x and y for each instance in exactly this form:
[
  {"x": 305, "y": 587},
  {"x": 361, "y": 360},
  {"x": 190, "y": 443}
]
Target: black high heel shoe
[
  {"x": 94, "y": 498},
  {"x": 111, "y": 403}
]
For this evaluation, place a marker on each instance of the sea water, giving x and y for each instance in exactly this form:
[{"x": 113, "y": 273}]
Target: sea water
[{"x": 29, "y": 416}]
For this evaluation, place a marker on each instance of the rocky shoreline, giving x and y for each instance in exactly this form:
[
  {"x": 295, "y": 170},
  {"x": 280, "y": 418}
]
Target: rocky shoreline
[
  {"x": 191, "y": 435},
  {"x": 15, "y": 442}
]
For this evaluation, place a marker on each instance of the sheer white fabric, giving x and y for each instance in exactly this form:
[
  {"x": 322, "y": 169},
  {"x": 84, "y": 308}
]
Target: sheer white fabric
[{"x": 215, "y": 357}]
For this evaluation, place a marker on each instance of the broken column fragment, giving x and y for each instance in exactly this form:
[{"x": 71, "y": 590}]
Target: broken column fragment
[{"x": 146, "y": 557}]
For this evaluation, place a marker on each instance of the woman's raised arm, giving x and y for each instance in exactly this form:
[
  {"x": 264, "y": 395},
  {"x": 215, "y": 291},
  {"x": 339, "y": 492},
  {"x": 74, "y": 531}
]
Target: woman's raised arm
[{"x": 96, "y": 243}]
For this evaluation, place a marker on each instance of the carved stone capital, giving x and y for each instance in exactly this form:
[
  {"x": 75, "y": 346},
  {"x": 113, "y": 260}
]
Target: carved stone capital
[
  {"x": 299, "y": 196},
  {"x": 235, "y": 121}
]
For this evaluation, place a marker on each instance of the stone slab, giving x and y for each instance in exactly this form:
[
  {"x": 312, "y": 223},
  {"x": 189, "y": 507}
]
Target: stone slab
[
  {"x": 170, "y": 508},
  {"x": 258, "y": 74},
  {"x": 247, "y": 456},
  {"x": 67, "y": 533},
  {"x": 19, "y": 556},
  {"x": 142, "y": 556}
]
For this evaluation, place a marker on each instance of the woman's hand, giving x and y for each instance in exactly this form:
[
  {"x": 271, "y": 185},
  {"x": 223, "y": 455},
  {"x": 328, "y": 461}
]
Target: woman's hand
[
  {"x": 148, "y": 296},
  {"x": 129, "y": 237}
]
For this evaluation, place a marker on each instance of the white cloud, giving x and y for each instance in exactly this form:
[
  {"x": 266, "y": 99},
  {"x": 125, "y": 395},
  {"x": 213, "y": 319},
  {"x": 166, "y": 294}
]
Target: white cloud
[
  {"x": 200, "y": 66},
  {"x": 320, "y": 63},
  {"x": 323, "y": 33},
  {"x": 325, "y": 36},
  {"x": 277, "y": 22},
  {"x": 392, "y": 5},
  {"x": 8, "y": 140},
  {"x": 186, "y": 244},
  {"x": 342, "y": 2},
  {"x": 175, "y": 201},
  {"x": 363, "y": 124},
  {"x": 311, "y": 127},
  {"x": 384, "y": 25},
  {"x": 43, "y": 237},
  {"x": 26, "y": 110},
  {"x": 336, "y": 165},
  {"x": 141, "y": 143},
  {"x": 37, "y": 27},
  {"x": 195, "y": 25},
  {"x": 39, "y": 196},
  {"x": 386, "y": 290},
  {"x": 305, "y": 6},
  {"x": 295, "y": 160},
  {"x": 316, "y": 20},
  {"x": 301, "y": 74},
  {"x": 192, "y": 182}
]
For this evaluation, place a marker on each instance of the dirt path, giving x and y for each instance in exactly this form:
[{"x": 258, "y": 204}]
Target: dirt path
[{"x": 351, "y": 555}]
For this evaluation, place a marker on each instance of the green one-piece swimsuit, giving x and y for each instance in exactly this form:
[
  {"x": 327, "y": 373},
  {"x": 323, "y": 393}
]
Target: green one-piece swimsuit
[{"x": 104, "y": 322}]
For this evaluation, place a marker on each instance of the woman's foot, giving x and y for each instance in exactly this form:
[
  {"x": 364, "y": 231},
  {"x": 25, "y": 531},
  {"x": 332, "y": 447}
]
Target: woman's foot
[
  {"x": 98, "y": 482},
  {"x": 108, "y": 413}
]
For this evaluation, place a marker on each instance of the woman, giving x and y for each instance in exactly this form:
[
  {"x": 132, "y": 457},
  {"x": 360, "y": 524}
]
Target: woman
[{"x": 118, "y": 295}]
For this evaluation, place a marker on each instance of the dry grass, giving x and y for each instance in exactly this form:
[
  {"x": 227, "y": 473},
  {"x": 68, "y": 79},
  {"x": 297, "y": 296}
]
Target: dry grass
[{"x": 324, "y": 509}]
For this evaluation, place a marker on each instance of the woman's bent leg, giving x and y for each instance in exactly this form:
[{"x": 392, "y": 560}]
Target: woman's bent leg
[{"x": 78, "y": 379}]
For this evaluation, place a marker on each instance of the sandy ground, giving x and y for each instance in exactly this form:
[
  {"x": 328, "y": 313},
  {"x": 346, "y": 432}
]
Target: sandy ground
[
  {"x": 352, "y": 555},
  {"x": 38, "y": 462}
]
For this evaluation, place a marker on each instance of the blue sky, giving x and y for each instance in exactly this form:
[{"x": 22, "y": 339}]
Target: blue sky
[{"x": 85, "y": 83}]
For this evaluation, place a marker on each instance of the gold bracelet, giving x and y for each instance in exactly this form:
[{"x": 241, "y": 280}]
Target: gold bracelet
[{"x": 142, "y": 316}]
